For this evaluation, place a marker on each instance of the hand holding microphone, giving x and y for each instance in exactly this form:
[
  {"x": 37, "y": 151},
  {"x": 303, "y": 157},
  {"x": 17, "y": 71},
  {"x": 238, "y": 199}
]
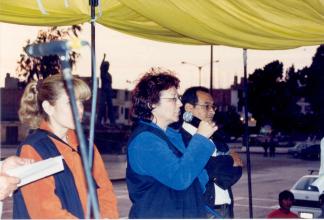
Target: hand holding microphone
[{"x": 205, "y": 128}]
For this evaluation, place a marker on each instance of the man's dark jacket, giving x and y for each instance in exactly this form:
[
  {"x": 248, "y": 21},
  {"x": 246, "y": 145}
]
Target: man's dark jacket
[{"x": 220, "y": 170}]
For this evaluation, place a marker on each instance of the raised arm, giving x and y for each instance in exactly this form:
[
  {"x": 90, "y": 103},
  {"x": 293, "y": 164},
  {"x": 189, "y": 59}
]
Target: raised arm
[{"x": 150, "y": 155}]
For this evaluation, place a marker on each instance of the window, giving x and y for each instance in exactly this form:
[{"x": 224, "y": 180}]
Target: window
[
  {"x": 114, "y": 93},
  {"x": 305, "y": 184},
  {"x": 127, "y": 95},
  {"x": 127, "y": 113},
  {"x": 116, "y": 111}
]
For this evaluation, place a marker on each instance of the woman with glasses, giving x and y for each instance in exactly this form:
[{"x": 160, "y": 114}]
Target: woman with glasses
[{"x": 164, "y": 178}]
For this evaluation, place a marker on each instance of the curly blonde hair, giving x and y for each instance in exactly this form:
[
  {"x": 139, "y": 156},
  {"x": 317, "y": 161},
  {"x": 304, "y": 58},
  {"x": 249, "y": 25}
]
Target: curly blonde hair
[{"x": 31, "y": 111}]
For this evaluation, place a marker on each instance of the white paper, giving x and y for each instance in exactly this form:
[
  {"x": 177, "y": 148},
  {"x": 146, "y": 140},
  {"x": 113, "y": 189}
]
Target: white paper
[
  {"x": 222, "y": 196},
  {"x": 37, "y": 170}
]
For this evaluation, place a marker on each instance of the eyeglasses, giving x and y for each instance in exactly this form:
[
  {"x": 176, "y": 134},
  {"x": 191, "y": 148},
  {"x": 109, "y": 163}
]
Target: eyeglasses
[
  {"x": 174, "y": 99},
  {"x": 208, "y": 107}
]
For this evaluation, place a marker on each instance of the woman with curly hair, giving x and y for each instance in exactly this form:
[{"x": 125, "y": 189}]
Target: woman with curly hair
[
  {"x": 165, "y": 179},
  {"x": 45, "y": 106}
]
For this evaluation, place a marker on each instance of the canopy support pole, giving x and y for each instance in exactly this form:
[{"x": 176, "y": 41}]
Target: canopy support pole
[
  {"x": 246, "y": 132},
  {"x": 211, "y": 69},
  {"x": 93, "y": 4},
  {"x": 93, "y": 203}
]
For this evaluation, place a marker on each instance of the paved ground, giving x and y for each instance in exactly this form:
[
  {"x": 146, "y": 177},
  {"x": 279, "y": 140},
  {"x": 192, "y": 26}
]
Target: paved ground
[{"x": 269, "y": 177}]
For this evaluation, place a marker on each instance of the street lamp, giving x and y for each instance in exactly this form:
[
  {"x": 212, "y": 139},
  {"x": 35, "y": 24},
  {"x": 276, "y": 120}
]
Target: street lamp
[{"x": 199, "y": 67}]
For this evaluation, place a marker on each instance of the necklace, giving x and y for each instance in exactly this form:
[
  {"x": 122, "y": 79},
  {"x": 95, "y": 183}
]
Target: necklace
[{"x": 65, "y": 142}]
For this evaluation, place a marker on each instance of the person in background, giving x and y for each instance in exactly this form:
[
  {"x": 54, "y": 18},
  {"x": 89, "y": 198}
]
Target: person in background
[
  {"x": 272, "y": 146},
  {"x": 224, "y": 167},
  {"x": 265, "y": 145},
  {"x": 45, "y": 106},
  {"x": 165, "y": 179},
  {"x": 105, "y": 95},
  {"x": 286, "y": 199},
  {"x": 8, "y": 184}
]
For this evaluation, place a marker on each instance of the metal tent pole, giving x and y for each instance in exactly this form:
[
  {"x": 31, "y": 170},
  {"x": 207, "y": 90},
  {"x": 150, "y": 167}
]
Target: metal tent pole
[
  {"x": 211, "y": 68},
  {"x": 93, "y": 4},
  {"x": 246, "y": 132},
  {"x": 93, "y": 199}
]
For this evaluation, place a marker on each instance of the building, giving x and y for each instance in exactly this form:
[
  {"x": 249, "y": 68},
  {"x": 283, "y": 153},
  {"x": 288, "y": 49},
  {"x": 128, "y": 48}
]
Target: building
[
  {"x": 12, "y": 131},
  {"x": 229, "y": 98}
]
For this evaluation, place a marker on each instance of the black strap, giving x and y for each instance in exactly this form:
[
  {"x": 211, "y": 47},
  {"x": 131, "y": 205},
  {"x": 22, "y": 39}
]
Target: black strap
[{"x": 51, "y": 134}]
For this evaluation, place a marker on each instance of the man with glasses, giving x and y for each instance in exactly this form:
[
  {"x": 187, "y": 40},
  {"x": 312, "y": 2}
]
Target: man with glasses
[{"x": 224, "y": 167}]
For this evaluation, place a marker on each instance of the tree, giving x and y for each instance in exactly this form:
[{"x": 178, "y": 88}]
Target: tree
[
  {"x": 229, "y": 123},
  {"x": 265, "y": 88},
  {"x": 34, "y": 68},
  {"x": 296, "y": 87},
  {"x": 314, "y": 88},
  {"x": 277, "y": 100}
]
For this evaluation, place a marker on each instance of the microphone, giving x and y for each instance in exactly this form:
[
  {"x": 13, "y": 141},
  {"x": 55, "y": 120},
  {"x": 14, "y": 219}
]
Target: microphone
[
  {"x": 59, "y": 47},
  {"x": 189, "y": 118}
]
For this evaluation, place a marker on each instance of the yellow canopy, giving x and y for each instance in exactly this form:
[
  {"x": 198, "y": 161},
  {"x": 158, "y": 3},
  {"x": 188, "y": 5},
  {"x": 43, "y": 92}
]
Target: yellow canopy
[{"x": 252, "y": 24}]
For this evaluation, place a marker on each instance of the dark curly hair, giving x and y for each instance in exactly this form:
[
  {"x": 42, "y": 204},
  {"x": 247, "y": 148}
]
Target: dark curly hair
[{"x": 148, "y": 89}]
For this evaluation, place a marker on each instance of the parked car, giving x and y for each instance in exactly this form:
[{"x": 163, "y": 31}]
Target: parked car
[
  {"x": 306, "y": 150},
  {"x": 306, "y": 203},
  {"x": 295, "y": 150},
  {"x": 311, "y": 152}
]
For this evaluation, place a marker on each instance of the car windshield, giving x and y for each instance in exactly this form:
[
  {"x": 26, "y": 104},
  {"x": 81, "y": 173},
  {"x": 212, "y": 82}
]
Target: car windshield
[
  {"x": 298, "y": 146},
  {"x": 304, "y": 184}
]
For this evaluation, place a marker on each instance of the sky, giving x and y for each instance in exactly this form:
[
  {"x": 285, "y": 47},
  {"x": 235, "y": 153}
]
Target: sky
[{"x": 130, "y": 57}]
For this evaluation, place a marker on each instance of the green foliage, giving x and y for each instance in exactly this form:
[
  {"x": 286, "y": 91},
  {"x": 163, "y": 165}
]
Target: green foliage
[
  {"x": 30, "y": 68},
  {"x": 274, "y": 99},
  {"x": 265, "y": 92},
  {"x": 229, "y": 123},
  {"x": 314, "y": 88}
]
